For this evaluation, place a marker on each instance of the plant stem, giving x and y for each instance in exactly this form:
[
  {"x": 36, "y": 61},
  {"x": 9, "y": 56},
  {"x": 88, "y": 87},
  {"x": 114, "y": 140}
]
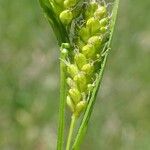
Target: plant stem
[
  {"x": 62, "y": 106},
  {"x": 73, "y": 121}
]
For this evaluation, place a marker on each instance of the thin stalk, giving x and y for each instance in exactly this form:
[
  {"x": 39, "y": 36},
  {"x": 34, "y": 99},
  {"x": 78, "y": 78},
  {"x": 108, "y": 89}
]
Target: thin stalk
[
  {"x": 61, "y": 123},
  {"x": 72, "y": 125}
]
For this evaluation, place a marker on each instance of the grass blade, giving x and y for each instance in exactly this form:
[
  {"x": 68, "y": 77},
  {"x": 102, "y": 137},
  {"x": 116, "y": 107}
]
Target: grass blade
[{"x": 86, "y": 117}]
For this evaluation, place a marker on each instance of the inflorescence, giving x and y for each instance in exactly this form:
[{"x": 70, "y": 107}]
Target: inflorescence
[
  {"x": 92, "y": 30},
  {"x": 87, "y": 26}
]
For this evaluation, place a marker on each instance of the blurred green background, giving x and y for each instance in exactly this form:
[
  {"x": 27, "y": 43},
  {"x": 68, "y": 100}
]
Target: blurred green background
[{"x": 29, "y": 81}]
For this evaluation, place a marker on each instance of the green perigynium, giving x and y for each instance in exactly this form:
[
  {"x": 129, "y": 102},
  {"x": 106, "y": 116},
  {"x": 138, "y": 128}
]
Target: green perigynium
[
  {"x": 66, "y": 17},
  {"x": 82, "y": 28}
]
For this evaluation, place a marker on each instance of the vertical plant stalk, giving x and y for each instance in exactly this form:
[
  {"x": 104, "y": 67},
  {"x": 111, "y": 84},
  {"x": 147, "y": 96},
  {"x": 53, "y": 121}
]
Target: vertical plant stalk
[
  {"x": 61, "y": 106},
  {"x": 86, "y": 118},
  {"x": 72, "y": 125}
]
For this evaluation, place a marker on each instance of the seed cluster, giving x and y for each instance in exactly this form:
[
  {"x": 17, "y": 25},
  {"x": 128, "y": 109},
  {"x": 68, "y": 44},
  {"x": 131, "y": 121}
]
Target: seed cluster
[{"x": 89, "y": 41}]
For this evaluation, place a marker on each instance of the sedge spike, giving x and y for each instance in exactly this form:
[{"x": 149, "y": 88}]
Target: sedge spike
[{"x": 83, "y": 30}]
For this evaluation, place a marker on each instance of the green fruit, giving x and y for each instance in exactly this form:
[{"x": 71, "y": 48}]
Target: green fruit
[
  {"x": 75, "y": 95},
  {"x": 104, "y": 22},
  {"x": 71, "y": 83},
  {"x": 84, "y": 33},
  {"x": 66, "y": 17},
  {"x": 88, "y": 68},
  {"x": 93, "y": 25},
  {"x": 80, "y": 80},
  {"x": 89, "y": 51},
  {"x": 96, "y": 41},
  {"x": 103, "y": 29},
  {"x": 72, "y": 70},
  {"x": 80, "y": 60},
  {"x": 80, "y": 108},
  {"x": 100, "y": 12}
]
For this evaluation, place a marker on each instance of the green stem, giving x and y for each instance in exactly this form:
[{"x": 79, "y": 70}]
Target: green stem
[
  {"x": 61, "y": 106},
  {"x": 73, "y": 121}
]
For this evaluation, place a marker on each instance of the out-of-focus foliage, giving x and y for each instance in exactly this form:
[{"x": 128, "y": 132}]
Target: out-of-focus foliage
[{"x": 29, "y": 86}]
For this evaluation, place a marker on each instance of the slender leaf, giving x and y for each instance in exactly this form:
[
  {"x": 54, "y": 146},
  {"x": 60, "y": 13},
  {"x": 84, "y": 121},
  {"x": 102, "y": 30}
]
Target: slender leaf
[{"x": 91, "y": 103}]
